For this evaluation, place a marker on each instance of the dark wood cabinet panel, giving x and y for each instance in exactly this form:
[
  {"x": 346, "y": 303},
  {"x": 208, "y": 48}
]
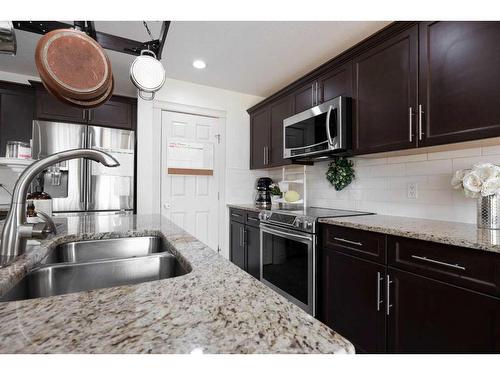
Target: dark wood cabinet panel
[
  {"x": 385, "y": 93},
  {"x": 337, "y": 82},
  {"x": 473, "y": 269},
  {"x": 118, "y": 112},
  {"x": 236, "y": 239},
  {"x": 260, "y": 137},
  {"x": 459, "y": 77},
  {"x": 429, "y": 316},
  {"x": 278, "y": 112},
  {"x": 49, "y": 108},
  {"x": 348, "y": 301},
  {"x": 245, "y": 240},
  {"x": 16, "y": 114},
  {"x": 252, "y": 243},
  {"x": 304, "y": 97},
  {"x": 360, "y": 243}
]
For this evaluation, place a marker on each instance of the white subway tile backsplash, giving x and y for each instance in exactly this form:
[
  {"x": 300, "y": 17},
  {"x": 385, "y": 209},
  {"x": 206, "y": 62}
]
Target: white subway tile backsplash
[
  {"x": 387, "y": 170},
  {"x": 461, "y": 163},
  {"x": 381, "y": 185},
  {"x": 432, "y": 167},
  {"x": 490, "y": 150},
  {"x": 455, "y": 154},
  {"x": 361, "y": 162},
  {"x": 407, "y": 158}
]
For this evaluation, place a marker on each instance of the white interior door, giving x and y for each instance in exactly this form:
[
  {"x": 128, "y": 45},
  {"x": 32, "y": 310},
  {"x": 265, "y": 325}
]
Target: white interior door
[{"x": 191, "y": 201}]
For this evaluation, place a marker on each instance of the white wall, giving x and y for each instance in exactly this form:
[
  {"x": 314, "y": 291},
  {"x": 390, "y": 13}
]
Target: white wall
[
  {"x": 240, "y": 181},
  {"x": 381, "y": 184}
]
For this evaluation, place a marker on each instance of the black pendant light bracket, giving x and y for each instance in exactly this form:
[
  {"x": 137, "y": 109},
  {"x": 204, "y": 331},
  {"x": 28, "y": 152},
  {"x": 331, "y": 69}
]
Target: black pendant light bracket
[{"x": 107, "y": 41}]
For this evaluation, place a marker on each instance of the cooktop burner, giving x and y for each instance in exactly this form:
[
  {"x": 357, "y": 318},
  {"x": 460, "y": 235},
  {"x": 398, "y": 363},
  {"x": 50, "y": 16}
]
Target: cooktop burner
[{"x": 304, "y": 219}]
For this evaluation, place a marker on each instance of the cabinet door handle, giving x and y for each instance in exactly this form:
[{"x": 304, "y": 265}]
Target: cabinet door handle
[
  {"x": 244, "y": 237},
  {"x": 420, "y": 113},
  {"x": 425, "y": 259},
  {"x": 348, "y": 241},
  {"x": 241, "y": 237},
  {"x": 84, "y": 114},
  {"x": 265, "y": 155},
  {"x": 379, "y": 301},
  {"x": 410, "y": 125},
  {"x": 388, "y": 305}
]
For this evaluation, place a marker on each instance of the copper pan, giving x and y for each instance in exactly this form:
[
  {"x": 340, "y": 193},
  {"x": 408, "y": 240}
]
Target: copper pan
[
  {"x": 73, "y": 65},
  {"x": 84, "y": 104}
]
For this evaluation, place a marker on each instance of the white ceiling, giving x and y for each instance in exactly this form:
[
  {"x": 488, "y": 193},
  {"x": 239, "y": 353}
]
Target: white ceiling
[{"x": 250, "y": 57}]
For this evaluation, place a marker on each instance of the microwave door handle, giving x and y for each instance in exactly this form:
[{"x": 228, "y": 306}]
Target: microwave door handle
[{"x": 329, "y": 136}]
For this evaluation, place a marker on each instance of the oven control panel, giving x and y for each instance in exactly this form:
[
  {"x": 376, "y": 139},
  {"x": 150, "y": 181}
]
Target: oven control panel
[{"x": 303, "y": 223}]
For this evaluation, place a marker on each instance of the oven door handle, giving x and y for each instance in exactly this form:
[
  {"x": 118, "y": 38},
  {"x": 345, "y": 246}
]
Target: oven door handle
[{"x": 284, "y": 234}]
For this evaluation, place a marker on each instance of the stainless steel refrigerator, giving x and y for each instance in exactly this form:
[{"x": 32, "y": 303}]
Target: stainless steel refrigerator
[{"x": 80, "y": 184}]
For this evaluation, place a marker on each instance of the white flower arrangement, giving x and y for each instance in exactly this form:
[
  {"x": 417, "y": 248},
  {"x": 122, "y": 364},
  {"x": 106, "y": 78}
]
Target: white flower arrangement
[{"x": 480, "y": 180}]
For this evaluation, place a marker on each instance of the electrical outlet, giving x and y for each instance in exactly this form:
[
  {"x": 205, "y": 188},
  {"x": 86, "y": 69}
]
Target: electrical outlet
[{"x": 412, "y": 190}]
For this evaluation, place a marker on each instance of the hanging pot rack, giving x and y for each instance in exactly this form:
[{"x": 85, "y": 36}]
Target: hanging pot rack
[{"x": 107, "y": 41}]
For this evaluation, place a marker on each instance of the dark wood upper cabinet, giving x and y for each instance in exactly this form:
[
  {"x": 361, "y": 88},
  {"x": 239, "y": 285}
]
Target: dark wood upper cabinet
[
  {"x": 349, "y": 288},
  {"x": 304, "y": 97},
  {"x": 50, "y": 108},
  {"x": 385, "y": 95},
  {"x": 278, "y": 112},
  {"x": 459, "y": 76},
  {"x": 337, "y": 82},
  {"x": 260, "y": 136},
  {"x": 429, "y": 316},
  {"x": 117, "y": 112},
  {"x": 16, "y": 113}
]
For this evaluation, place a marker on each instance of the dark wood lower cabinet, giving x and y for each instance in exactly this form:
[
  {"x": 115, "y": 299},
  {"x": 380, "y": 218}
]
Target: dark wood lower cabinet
[
  {"x": 237, "y": 253},
  {"x": 429, "y": 316},
  {"x": 406, "y": 304},
  {"x": 244, "y": 239},
  {"x": 349, "y": 302}
]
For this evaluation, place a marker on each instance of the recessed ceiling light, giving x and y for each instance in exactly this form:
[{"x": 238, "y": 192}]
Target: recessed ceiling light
[{"x": 199, "y": 64}]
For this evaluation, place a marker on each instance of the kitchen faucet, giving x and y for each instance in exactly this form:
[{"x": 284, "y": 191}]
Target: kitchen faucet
[{"x": 15, "y": 230}]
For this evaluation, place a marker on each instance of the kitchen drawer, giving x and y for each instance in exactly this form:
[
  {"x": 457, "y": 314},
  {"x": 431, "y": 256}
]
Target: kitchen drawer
[
  {"x": 474, "y": 269},
  {"x": 237, "y": 215},
  {"x": 364, "y": 244},
  {"x": 253, "y": 218}
]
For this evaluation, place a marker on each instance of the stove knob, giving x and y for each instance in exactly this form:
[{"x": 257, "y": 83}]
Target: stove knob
[
  {"x": 297, "y": 223},
  {"x": 308, "y": 225},
  {"x": 263, "y": 215}
]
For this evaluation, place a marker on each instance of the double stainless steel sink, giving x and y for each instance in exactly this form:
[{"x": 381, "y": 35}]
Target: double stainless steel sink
[{"x": 85, "y": 265}]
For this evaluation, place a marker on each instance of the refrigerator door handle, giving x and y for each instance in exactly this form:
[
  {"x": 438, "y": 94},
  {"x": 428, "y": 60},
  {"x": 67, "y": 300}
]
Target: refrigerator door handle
[
  {"x": 82, "y": 171},
  {"x": 90, "y": 198}
]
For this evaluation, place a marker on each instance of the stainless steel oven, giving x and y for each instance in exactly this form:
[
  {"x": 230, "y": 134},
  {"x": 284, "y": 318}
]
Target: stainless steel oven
[
  {"x": 318, "y": 131},
  {"x": 288, "y": 264}
]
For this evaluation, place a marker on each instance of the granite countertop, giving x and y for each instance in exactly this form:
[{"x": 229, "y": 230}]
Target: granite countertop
[
  {"x": 446, "y": 232},
  {"x": 215, "y": 308},
  {"x": 247, "y": 207}
]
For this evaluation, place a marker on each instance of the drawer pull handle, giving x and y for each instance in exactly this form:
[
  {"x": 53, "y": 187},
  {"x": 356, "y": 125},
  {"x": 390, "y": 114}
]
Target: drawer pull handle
[
  {"x": 236, "y": 215},
  {"x": 253, "y": 218},
  {"x": 425, "y": 259},
  {"x": 347, "y": 241}
]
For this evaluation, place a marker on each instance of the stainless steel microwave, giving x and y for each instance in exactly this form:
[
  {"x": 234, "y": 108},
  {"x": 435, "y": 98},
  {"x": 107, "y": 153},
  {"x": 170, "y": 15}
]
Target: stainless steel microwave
[{"x": 318, "y": 131}]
